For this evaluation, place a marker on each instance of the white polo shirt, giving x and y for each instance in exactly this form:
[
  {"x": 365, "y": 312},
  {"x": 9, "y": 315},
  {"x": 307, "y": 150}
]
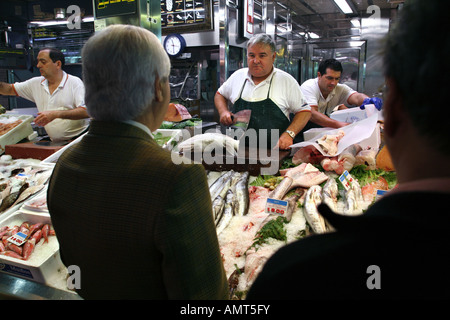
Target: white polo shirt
[
  {"x": 339, "y": 95},
  {"x": 69, "y": 95},
  {"x": 284, "y": 91}
]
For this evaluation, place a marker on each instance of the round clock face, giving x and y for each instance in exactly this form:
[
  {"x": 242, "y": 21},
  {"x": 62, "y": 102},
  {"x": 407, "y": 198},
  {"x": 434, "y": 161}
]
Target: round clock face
[{"x": 174, "y": 45}]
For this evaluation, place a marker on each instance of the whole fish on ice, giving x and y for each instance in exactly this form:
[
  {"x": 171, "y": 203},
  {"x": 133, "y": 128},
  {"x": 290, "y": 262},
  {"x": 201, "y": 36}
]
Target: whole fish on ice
[
  {"x": 219, "y": 183},
  {"x": 227, "y": 214},
  {"x": 312, "y": 199},
  {"x": 353, "y": 199},
  {"x": 242, "y": 195},
  {"x": 330, "y": 193}
]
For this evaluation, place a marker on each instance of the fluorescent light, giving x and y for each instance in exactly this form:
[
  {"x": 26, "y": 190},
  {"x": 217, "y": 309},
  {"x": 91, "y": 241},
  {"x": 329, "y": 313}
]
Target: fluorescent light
[
  {"x": 355, "y": 23},
  {"x": 343, "y": 5},
  {"x": 313, "y": 35},
  {"x": 58, "y": 22},
  {"x": 356, "y": 43}
]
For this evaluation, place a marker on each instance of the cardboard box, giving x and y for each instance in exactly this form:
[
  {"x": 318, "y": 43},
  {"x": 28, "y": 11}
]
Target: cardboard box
[{"x": 349, "y": 115}]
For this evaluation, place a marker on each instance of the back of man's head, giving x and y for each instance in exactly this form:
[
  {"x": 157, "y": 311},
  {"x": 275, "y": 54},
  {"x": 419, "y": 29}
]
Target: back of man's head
[{"x": 416, "y": 59}]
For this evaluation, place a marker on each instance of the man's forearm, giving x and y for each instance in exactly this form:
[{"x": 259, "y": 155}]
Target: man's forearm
[
  {"x": 74, "y": 114},
  {"x": 6, "y": 89},
  {"x": 221, "y": 103},
  {"x": 325, "y": 121},
  {"x": 299, "y": 122}
]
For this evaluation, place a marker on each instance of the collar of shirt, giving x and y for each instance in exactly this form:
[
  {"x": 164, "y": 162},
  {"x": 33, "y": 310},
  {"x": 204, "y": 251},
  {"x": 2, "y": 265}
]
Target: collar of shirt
[
  {"x": 141, "y": 126},
  {"x": 431, "y": 185},
  {"x": 265, "y": 81},
  {"x": 61, "y": 84}
]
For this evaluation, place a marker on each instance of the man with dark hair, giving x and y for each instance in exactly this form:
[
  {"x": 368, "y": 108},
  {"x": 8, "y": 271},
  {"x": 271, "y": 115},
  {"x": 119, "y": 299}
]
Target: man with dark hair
[
  {"x": 59, "y": 97},
  {"x": 400, "y": 247},
  {"x": 325, "y": 93}
]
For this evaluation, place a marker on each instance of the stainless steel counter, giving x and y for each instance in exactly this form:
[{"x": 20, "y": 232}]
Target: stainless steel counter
[{"x": 15, "y": 288}]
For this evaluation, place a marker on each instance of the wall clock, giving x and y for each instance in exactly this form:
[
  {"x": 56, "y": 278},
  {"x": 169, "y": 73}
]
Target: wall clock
[{"x": 174, "y": 44}]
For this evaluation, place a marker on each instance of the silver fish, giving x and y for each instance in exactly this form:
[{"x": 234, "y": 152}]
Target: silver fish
[
  {"x": 330, "y": 193},
  {"x": 351, "y": 205},
  {"x": 242, "y": 197},
  {"x": 223, "y": 182},
  {"x": 353, "y": 196},
  {"x": 227, "y": 212},
  {"x": 292, "y": 203},
  {"x": 312, "y": 199},
  {"x": 217, "y": 208}
]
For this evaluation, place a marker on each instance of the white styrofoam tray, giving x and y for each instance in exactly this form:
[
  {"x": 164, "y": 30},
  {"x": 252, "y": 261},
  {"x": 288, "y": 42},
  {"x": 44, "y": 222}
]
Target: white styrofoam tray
[
  {"x": 16, "y": 134},
  {"x": 44, "y": 265}
]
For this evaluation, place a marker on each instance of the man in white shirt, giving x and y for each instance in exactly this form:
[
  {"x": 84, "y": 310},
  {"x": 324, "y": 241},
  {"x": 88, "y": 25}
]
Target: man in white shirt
[
  {"x": 59, "y": 97},
  {"x": 325, "y": 93},
  {"x": 270, "y": 93}
]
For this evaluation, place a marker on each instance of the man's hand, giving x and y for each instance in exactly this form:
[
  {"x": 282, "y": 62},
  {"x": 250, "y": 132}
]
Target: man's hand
[
  {"x": 45, "y": 117},
  {"x": 225, "y": 118},
  {"x": 284, "y": 142},
  {"x": 375, "y": 101}
]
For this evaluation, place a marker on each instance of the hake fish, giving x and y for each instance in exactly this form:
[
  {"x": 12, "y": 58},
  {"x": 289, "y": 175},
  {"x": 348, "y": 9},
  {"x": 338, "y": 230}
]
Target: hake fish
[
  {"x": 242, "y": 196},
  {"x": 312, "y": 199},
  {"x": 218, "y": 185},
  {"x": 217, "y": 208},
  {"x": 227, "y": 214}
]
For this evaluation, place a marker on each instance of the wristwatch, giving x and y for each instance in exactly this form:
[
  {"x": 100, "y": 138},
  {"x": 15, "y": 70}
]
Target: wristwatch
[{"x": 291, "y": 133}]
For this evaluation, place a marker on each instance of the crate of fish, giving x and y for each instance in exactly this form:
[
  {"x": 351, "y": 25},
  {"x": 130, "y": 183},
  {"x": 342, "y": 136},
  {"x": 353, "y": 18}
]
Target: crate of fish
[
  {"x": 29, "y": 249},
  {"x": 14, "y": 128}
]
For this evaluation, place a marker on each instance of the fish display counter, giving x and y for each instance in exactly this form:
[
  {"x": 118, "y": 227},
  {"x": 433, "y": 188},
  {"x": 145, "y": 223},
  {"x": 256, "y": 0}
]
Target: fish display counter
[
  {"x": 256, "y": 212},
  {"x": 30, "y": 265},
  {"x": 255, "y": 215}
]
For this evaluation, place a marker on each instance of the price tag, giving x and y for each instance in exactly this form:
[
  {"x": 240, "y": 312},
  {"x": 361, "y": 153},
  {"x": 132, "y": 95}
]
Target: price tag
[
  {"x": 380, "y": 193},
  {"x": 346, "y": 179},
  {"x": 18, "y": 239},
  {"x": 276, "y": 207}
]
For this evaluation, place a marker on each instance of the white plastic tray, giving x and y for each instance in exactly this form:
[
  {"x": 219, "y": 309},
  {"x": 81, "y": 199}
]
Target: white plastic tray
[
  {"x": 16, "y": 134},
  {"x": 44, "y": 265}
]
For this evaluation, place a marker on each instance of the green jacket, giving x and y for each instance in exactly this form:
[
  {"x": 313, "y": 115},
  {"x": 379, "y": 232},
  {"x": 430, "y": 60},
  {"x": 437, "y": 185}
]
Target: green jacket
[{"x": 137, "y": 225}]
